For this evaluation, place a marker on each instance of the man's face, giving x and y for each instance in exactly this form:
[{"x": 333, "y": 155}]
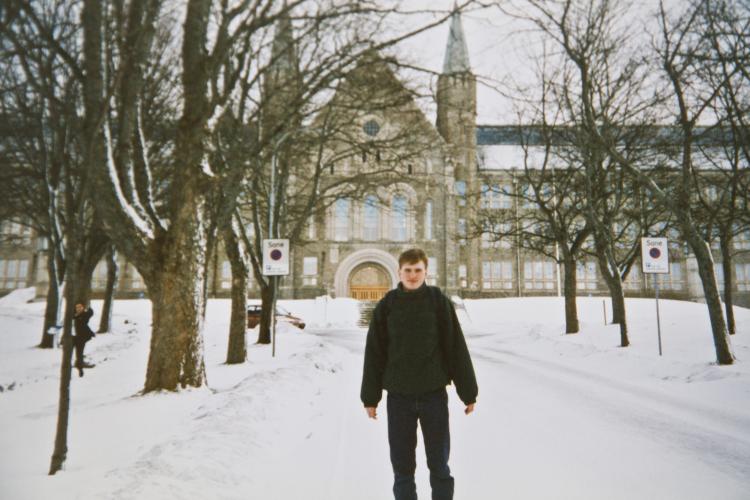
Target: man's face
[
  {"x": 412, "y": 275},
  {"x": 79, "y": 308}
]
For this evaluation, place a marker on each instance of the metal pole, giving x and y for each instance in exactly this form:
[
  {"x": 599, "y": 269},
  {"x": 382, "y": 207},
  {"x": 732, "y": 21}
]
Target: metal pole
[
  {"x": 271, "y": 207},
  {"x": 557, "y": 244},
  {"x": 518, "y": 237},
  {"x": 658, "y": 322},
  {"x": 273, "y": 317},
  {"x": 557, "y": 268}
]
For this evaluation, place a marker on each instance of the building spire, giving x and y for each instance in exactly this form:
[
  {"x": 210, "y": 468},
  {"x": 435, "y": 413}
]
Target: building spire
[
  {"x": 456, "y": 54},
  {"x": 283, "y": 49}
]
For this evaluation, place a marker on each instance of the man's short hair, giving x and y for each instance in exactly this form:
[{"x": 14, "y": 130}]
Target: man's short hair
[{"x": 412, "y": 256}]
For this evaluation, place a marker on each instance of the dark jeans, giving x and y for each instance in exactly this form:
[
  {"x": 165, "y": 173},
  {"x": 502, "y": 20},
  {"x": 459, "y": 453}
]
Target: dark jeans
[
  {"x": 431, "y": 410},
  {"x": 80, "y": 343}
]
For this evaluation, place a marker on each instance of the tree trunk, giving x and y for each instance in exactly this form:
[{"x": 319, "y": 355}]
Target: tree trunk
[
  {"x": 237, "y": 350},
  {"x": 726, "y": 263},
  {"x": 614, "y": 283},
  {"x": 105, "y": 324},
  {"x": 724, "y": 355},
  {"x": 177, "y": 295},
  {"x": 569, "y": 289},
  {"x": 267, "y": 297},
  {"x": 60, "y": 452},
  {"x": 77, "y": 289},
  {"x": 52, "y": 308}
]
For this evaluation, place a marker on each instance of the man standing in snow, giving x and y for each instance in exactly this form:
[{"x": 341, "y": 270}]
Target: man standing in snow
[
  {"x": 83, "y": 334},
  {"x": 415, "y": 347}
]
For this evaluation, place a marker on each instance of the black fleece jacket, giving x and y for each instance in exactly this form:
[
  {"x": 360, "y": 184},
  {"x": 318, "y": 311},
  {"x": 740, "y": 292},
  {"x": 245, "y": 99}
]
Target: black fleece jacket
[{"x": 415, "y": 345}]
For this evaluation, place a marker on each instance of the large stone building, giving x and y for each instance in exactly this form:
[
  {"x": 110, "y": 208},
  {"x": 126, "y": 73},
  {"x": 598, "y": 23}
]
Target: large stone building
[{"x": 351, "y": 248}]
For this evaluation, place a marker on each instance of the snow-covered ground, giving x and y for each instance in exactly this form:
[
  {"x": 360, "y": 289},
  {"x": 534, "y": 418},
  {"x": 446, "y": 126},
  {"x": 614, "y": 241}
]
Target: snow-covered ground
[{"x": 558, "y": 417}]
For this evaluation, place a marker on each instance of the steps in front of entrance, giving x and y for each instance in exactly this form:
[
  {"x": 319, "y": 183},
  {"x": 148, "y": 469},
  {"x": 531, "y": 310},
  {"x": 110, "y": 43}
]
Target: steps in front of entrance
[{"x": 366, "y": 307}]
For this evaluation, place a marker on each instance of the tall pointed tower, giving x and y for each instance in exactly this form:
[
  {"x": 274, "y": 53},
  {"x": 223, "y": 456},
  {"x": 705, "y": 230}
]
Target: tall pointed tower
[
  {"x": 457, "y": 91},
  {"x": 281, "y": 84},
  {"x": 456, "y": 122}
]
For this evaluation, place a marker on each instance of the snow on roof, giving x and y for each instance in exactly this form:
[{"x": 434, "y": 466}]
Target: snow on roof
[{"x": 511, "y": 157}]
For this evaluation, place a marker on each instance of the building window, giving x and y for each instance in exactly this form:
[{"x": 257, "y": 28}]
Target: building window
[
  {"x": 428, "y": 220},
  {"x": 310, "y": 271},
  {"x": 311, "y": 228},
  {"x": 462, "y": 275},
  {"x": 742, "y": 270},
  {"x": 17, "y": 232},
  {"x": 99, "y": 279},
  {"x": 719, "y": 273},
  {"x": 398, "y": 218},
  {"x": 497, "y": 236},
  {"x": 672, "y": 281},
  {"x": 432, "y": 273},
  {"x": 586, "y": 275},
  {"x": 742, "y": 240},
  {"x": 633, "y": 281},
  {"x": 484, "y": 196},
  {"x": 461, "y": 192},
  {"x": 539, "y": 275},
  {"x": 462, "y": 228},
  {"x": 528, "y": 196},
  {"x": 497, "y": 275},
  {"x": 13, "y": 273},
  {"x": 371, "y": 229},
  {"x": 341, "y": 220},
  {"x": 496, "y": 196},
  {"x": 226, "y": 276}
]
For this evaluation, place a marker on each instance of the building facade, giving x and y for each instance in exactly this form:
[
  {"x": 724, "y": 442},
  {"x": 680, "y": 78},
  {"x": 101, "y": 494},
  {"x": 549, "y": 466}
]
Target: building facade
[{"x": 351, "y": 248}]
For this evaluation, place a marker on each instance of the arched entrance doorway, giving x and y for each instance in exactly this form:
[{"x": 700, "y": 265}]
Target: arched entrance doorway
[
  {"x": 372, "y": 256},
  {"x": 369, "y": 281}
]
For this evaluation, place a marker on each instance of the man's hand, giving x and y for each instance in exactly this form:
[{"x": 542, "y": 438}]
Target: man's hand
[
  {"x": 372, "y": 412},
  {"x": 469, "y": 408}
]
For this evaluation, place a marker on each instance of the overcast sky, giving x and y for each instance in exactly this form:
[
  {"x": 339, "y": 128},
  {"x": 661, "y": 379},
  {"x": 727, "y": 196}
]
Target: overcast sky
[{"x": 502, "y": 50}]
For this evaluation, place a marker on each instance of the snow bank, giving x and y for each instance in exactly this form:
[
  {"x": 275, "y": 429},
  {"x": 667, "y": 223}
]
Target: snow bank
[{"x": 19, "y": 296}]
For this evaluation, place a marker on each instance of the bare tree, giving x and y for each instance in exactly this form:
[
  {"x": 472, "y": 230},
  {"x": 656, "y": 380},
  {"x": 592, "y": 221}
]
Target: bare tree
[
  {"x": 302, "y": 130},
  {"x": 691, "y": 99},
  {"x": 723, "y": 187},
  {"x": 545, "y": 216},
  {"x": 170, "y": 240}
]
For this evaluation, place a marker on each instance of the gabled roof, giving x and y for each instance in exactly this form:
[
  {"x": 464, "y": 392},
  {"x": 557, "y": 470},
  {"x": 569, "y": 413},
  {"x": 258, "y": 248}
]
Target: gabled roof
[{"x": 373, "y": 82}]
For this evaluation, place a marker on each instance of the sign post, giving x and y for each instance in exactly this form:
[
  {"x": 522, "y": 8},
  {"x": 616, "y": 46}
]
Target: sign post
[
  {"x": 655, "y": 260},
  {"x": 275, "y": 263}
]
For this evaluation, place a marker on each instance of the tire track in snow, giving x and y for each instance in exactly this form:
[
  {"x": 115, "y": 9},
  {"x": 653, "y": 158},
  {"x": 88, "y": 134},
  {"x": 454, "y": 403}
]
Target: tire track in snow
[{"x": 676, "y": 423}]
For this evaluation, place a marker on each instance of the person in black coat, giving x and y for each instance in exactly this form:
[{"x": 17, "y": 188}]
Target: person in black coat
[
  {"x": 83, "y": 334},
  {"x": 414, "y": 348}
]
